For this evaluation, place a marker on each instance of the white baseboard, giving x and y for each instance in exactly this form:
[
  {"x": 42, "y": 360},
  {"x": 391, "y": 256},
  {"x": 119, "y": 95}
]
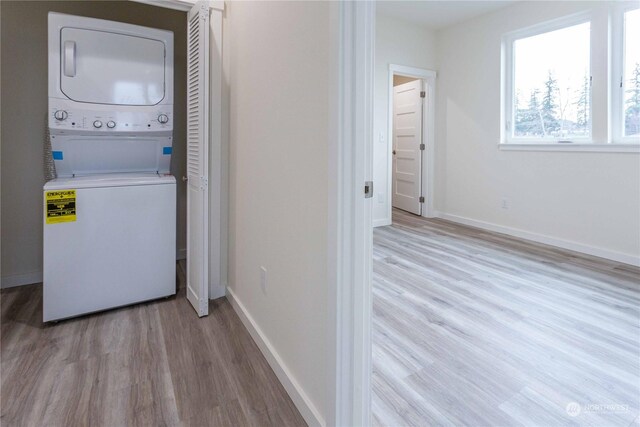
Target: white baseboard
[
  {"x": 309, "y": 412},
  {"x": 21, "y": 279},
  {"x": 381, "y": 222},
  {"x": 541, "y": 238}
]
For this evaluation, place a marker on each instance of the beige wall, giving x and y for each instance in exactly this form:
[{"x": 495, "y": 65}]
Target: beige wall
[
  {"x": 278, "y": 75},
  {"x": 24, "y": 107}
]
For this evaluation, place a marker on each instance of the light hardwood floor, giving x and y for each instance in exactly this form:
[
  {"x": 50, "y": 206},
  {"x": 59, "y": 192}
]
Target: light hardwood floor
[
  {"x": 480, "y": 329},
  {"x": 151, "y": 364}
]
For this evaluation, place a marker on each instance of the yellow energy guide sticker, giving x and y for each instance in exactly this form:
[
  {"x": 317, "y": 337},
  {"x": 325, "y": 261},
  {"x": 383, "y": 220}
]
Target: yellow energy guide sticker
[{"x": 60, "y": 206}]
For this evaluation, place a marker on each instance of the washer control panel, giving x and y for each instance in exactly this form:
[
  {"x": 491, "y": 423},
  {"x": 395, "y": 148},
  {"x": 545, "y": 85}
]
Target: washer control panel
[{"x": 150, "y": 120}]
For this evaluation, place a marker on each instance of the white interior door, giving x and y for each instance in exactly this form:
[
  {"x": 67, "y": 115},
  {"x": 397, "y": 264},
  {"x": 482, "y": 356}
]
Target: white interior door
[
  {"x": 407, "y": 140},
  {"x": 197, "y": 158}
]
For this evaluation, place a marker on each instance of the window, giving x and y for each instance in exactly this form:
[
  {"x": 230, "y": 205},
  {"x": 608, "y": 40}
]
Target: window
[
  {"x": 552, "y": 90},
  {"x": 549, "y": 83},
  {"x": 631, "y": 74},
  {"x": 625, "y": 81},
  {"x": 574, "y": 81}
]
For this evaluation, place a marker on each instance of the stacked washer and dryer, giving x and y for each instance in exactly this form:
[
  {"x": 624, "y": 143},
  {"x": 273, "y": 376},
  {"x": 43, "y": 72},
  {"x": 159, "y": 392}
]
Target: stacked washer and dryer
[{"x": 110, "y": 215}]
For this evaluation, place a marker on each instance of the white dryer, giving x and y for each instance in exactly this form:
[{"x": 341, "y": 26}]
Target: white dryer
[{"x": 110, "y": 216}]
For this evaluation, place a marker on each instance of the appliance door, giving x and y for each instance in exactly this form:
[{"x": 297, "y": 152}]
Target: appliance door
[{"x": 109, "y": 68}]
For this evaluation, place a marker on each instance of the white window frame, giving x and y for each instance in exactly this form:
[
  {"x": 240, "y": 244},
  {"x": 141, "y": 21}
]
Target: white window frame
[
  {"x": 617, "y": 75},
  {"x": 508, "y": 79}
]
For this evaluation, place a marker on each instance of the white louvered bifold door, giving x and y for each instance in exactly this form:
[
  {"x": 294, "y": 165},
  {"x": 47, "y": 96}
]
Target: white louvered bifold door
[{"x": 197, "y": 158}]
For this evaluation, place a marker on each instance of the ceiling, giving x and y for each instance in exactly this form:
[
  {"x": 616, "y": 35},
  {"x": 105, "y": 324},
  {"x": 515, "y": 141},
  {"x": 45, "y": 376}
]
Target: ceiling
[{"x": 438, "y": 14}]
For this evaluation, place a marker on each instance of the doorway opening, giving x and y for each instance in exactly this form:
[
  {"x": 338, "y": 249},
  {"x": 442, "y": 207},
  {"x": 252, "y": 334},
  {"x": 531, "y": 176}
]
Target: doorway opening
[
  {"x": 411, "y": 133},
  {"x": 407, "y": 144}
]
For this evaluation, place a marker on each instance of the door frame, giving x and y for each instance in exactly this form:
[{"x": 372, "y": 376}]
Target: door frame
[
  {"x": 350, "y": 221},
  {"x": 427, "y": 173}
]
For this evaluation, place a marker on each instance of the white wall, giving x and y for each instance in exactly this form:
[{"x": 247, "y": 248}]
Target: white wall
[
  {"x": 278, "y": 75},
  {"x": 590, "y": 201},
  {"x": 401, "y": 43}
]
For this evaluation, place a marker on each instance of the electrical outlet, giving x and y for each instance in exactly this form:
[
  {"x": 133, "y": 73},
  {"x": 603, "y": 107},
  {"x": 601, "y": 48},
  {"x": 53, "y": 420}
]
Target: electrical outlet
[
  {"x": 505, "y": 203},
  {"x": 263, "y": 279},
  {"x": 381, "y": 138}
]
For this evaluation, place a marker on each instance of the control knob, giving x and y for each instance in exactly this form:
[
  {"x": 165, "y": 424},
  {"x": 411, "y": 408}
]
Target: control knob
[
  {"x": 60, "y": 115},
  {"x": 97, "y": 124},
  {"x": 111, "y": 124},
  {"x": 163, "y": 118}
]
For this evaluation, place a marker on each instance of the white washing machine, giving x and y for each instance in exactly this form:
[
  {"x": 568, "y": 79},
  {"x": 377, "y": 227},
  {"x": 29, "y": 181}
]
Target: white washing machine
[
  {"x": 110, "y": 216},
  {"x": 118, "y": 250}
]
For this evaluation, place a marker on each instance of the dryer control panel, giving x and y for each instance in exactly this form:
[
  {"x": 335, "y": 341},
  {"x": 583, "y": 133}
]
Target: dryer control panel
[
  {"x": 110, "y": 96},
  {"x": 63, "y": 116}
]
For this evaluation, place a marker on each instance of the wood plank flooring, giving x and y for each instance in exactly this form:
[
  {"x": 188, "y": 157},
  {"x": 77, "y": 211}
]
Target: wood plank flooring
[
  {"x": 480, "y": 329},
  {"x": 151, "y": 364}
]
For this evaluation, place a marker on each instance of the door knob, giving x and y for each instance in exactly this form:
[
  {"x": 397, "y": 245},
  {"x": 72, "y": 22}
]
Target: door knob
[
  {"x": 185, "y": 179},
  {"x": 394, "y": 152}
]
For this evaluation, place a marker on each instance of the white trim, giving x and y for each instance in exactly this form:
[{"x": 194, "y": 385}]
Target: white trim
[
  {"x": 217, "y": 5},
  {"x": 420, "y": 73},
  {"x": 381, "y": 222},
  {"x": 547, "y": 240},
  {"x": 551, "y": 25},
  {"x": 13, "y": 280},
  {"x": 308, "y": 411},
  {"x": 217, "y": 159},
  {"x": 427, "y": 179},
  {"x": 599, "y": 148},
  {"x": 183, "y": 5},
  {"x": 617, "y": 48},
  {"x": 219, "y": 293},
  {"x": 616, "y": 58},
  {"x": 349, "y": 253}
]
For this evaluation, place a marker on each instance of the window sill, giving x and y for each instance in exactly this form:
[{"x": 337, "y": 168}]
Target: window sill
[{"x": 574, "y": 147}]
